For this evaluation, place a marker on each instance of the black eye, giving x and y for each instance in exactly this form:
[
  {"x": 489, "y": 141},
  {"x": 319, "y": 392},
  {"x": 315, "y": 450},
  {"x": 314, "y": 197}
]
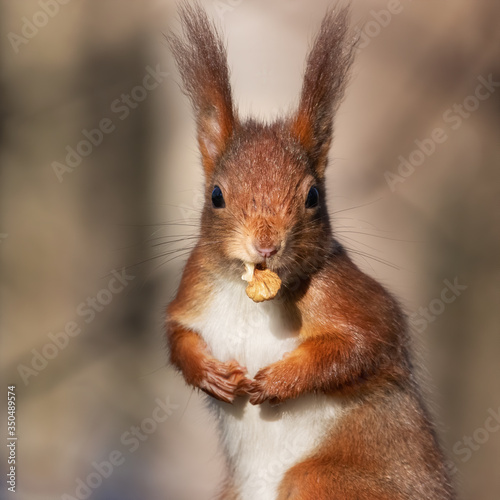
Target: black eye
[
  {"x": 217, "y": 198},
  {"x": 312, "y": 199}
]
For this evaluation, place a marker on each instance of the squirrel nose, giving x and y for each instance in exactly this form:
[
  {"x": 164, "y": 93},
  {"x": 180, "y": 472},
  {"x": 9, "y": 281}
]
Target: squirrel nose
[{"x": 266, "y": 251}]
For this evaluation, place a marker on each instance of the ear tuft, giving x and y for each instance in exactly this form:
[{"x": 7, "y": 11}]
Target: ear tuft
[
  {"x": 325, "y": 79},
  {"x": 201, "y": 57}
]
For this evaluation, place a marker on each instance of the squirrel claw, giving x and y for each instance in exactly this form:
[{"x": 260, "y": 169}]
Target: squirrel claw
[
  {"x": 244, "y": 387},
  {"x": 257, "y": 391},
  {"x": 222, "y": 380},
  {"x": 266, "y": 387}
]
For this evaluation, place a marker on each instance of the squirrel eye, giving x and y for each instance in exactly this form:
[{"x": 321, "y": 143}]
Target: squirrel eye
[
  {"x": 217, "y": 198},
  {"x": 312, "y": 199}
]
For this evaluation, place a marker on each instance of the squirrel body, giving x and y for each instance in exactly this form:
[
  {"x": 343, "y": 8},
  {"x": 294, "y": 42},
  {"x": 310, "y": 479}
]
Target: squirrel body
[
  {"x": 262, "y": 441},
  {"x": 313, "y": 390}
]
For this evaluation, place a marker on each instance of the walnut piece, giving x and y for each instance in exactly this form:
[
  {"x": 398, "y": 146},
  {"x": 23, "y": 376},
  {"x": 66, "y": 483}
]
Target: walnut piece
[{"x": 263, "y": 284}]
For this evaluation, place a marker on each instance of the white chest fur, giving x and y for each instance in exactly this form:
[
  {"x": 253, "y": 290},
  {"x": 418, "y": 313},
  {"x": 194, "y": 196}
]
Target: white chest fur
[
  {"x": 262, "y": 442},
  {"x": 235, "y": 327}
]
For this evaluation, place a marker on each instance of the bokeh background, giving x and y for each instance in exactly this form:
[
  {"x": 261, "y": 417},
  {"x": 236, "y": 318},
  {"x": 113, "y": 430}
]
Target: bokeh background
[{"x": 131, "y": 201}]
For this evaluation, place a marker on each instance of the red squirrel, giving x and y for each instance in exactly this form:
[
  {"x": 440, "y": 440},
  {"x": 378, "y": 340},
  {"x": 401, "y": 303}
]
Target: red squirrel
[{"x": 314, "y": 388}]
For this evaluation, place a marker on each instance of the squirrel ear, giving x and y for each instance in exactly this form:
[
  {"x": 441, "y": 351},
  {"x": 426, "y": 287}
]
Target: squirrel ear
[
  {"x": 202, "y": 61},
  {"x": 324, "y": 83}
]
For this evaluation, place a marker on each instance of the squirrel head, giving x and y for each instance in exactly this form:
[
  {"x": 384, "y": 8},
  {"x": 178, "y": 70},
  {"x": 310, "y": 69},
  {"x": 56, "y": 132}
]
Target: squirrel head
[{"x": 264, "y": 183}]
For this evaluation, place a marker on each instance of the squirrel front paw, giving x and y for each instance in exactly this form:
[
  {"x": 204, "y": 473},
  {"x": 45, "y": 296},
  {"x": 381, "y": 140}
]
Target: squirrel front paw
[
  {"x": 223, "y": 381},
  {"x": 267, "y": 385},
  {"x": 285, "y": 379}
]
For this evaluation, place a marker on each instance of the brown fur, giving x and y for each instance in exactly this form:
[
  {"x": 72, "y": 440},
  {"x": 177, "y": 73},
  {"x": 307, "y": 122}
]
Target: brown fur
[
  {"x": 354, "y": 335},
  {"x": 325, "y": 80},
  {"x": 203, "y": 67}
]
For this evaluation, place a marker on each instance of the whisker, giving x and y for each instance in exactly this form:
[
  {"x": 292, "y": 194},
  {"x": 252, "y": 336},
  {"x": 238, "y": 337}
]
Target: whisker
[
  {"x": 376, "y": 236},
  {"x": 342, "y": 210},
  {"x": 186, "y": 252},
  {"x": 376, "y": 259}
]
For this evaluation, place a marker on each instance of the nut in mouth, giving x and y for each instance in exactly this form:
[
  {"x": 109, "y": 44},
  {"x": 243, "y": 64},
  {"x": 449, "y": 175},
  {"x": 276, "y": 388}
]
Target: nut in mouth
[{"x": 263, "y": 284}]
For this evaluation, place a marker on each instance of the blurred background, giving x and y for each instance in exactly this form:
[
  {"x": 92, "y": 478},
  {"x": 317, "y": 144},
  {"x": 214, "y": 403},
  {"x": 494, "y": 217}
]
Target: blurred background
[{"x": 101, "y": 188}]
